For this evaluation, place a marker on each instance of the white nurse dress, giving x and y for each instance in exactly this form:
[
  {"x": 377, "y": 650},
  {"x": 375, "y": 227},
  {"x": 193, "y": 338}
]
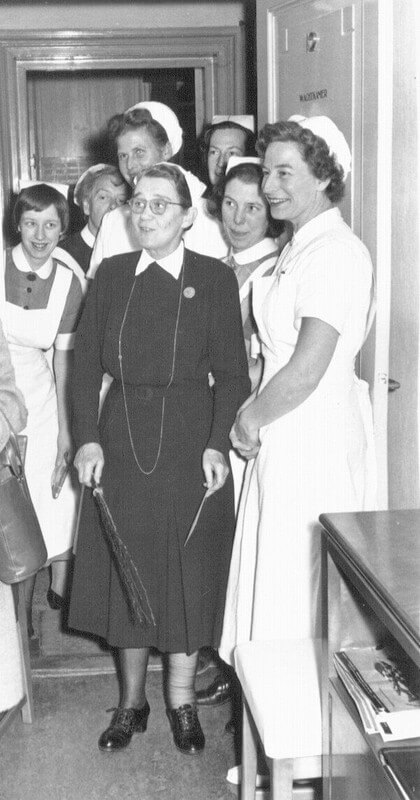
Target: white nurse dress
[{"x": 317, "y": 458}]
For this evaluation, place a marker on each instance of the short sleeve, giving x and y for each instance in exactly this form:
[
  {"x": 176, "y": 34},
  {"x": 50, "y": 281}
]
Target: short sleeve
[
  {"x": 70, "y": 317},
  {"x": 332, "y": 279}
]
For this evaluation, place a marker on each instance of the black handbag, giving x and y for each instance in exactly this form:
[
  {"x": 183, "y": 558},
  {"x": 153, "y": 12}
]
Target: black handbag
[{"x": 22, "y": 547}]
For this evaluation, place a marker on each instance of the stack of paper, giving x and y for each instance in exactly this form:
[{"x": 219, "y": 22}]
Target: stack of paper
[{"x": 386, "y": 699}]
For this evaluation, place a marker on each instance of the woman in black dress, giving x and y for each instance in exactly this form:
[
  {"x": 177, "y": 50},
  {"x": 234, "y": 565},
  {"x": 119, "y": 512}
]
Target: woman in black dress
[{"x": 159, "y": 321}]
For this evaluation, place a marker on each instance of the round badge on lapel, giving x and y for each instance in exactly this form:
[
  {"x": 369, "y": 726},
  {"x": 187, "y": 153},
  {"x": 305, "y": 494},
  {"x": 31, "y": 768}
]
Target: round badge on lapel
[{"x": 189, "y": 292}]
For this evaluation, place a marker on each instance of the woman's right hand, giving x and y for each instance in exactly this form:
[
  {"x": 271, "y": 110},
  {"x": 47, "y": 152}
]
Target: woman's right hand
[{"x": 89, "y": 462}]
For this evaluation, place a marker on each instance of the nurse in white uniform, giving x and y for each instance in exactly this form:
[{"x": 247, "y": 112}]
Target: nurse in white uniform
[
  {"x": 43, "y": 301},
  {"x": 146, "y": 134},
  {"x": 255, "y": 242},
  {"x": 307, "y": 430}
]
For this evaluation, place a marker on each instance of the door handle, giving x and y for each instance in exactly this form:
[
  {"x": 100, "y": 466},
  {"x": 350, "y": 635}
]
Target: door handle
[{"x": 393, "y": 385}]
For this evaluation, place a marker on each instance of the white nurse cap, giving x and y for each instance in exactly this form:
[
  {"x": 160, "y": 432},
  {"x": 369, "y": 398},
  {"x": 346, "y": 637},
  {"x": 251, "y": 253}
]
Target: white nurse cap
[
  {"x": 244, "y": 120},
  {"x": 89, "y": 171},
  {"x": 234, "y": 161},
  {"x": 196, "y": 187},
  {"x": 167, "y": 118},
  {"x": 326, "y": 129}
]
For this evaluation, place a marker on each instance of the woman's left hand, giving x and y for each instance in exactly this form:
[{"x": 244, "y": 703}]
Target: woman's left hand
[
  {"x": 215, "y": 470},
  {"x": 244, "y": 436}
]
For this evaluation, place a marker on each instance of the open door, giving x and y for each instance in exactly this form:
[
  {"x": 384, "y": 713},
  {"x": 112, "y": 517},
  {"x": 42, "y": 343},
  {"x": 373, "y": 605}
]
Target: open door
[
  {"x": 68, "y": 112},
  {"x": 66, "y": 84}
]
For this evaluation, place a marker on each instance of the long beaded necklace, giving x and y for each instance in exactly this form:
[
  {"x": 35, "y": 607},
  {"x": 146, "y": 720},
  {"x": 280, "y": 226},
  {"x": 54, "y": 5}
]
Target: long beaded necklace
[{"x": 171, "y": 376}]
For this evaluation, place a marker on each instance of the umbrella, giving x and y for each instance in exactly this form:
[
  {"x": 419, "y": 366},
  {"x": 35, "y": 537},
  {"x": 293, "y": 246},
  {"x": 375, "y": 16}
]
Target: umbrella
[{"x": 130, "y": 579}]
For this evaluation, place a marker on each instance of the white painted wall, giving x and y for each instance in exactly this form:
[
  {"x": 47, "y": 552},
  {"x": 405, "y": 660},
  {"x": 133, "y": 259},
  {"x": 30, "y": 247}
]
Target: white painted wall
[
  {"x": 73, "y": 15},
  {"x": 417, "y": 122}
]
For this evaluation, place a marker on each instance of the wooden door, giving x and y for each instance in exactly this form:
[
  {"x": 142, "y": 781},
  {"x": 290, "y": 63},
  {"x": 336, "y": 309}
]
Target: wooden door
[
  {"x": 33, "y": 64},
  {"x": 311, "y": 55},
  {"x": 68, "y": 112}
]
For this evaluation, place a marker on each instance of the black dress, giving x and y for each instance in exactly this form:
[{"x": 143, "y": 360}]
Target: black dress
[
  {"x": 77, "y": 247},
  {"x": 186, "y": 586}
]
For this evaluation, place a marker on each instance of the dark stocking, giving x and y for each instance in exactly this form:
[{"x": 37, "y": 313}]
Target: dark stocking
[{"x": 133, "y": 666}]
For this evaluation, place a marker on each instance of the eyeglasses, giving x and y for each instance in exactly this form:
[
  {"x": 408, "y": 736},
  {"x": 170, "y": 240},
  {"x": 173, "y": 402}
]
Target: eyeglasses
[{"x": 157, "y": 207}]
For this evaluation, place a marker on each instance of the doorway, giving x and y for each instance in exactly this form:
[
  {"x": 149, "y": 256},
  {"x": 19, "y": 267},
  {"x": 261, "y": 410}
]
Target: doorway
[
  {"x": 68, "y": 113},
  {"x": 197, "y": 71}
]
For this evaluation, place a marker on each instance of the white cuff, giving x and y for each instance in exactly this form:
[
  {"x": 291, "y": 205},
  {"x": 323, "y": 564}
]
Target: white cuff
[{"x": 64, "y": 341}]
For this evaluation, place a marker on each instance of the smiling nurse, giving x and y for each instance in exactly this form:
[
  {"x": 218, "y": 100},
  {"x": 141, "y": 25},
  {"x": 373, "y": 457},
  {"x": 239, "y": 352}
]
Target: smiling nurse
[
  {"x": 307, "y": 431},
  {"x": 147, "y": 134},
  {"x": 43, "y": 301}
]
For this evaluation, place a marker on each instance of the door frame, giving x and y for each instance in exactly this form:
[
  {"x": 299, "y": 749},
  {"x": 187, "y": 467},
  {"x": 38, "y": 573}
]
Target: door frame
[{"x": 217, "y": 53}]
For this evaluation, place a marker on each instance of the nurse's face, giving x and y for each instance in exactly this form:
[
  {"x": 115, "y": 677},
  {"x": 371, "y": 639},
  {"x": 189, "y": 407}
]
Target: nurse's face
[
  {"x": 224, "y": 143},
  {"x": 292, "y": 191},
  {"x": 159, "y": 231},
  {"x": 40, "y": 233},
  {"x": 105, "y": 196},
  {"x": 137, "y": 150},
  {"x": 244, "y": 214}
]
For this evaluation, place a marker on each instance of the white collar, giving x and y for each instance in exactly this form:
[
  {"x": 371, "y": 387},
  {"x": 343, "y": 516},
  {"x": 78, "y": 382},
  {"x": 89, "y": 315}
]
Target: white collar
[
  {"x": 255, "y": 252},
  {"x": 172, "y": 263},
  {"x": 319, "y": 224},
  {"x": 20, "y": 261},
  {"x": 87, "y": 236}
]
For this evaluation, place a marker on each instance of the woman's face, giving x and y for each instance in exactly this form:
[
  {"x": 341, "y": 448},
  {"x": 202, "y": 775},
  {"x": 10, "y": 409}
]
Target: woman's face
[
  {"x": 40, "y": 233},
  {"x": 105, "y": 196},
  {"x": 137, "y": 150},
  {"x": 224, "y": 143},
  {"x": 244, "y": 214},
  {"x": 292, "y": 191},
  {"x": 160, "y": 234}
]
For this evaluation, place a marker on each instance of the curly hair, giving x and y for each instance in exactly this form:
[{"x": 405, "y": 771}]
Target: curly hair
[
  {"x": 38, "y": 198},
  {"x": 173, "y": 175},
  {"x": 247, "y": 173},
  {"x": 133, "y": 120},
  {"x": 313, "y": 149},
  {"x": 86, "y": 187}
]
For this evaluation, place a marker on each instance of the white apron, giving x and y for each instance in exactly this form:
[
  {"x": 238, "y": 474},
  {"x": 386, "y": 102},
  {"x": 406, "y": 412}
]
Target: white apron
[
  {"x": 237, "y": 463},
  {"x": 317, "y": 458},
  {"x": 29, "y": 334}
]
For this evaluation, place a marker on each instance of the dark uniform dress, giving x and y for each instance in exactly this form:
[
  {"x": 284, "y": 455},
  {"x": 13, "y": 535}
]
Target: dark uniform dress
[
  {"x": 153, "y": 512},
  {"x": 80, "y": 246}
]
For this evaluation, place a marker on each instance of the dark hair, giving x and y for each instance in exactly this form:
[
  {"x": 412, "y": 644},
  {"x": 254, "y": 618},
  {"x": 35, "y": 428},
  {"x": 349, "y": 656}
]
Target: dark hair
[
  {"x": 204, "y": 142},
  {"x": 208, "y": 131},
  {"x": 38, "y": 198},
  {"x": 132, "y": 121},
  {"x": 313, "y": 149},
  {"x": 84, "y": 191},
  {"x": 247, "y": 173},
  {"x": 175, "y": 176}
]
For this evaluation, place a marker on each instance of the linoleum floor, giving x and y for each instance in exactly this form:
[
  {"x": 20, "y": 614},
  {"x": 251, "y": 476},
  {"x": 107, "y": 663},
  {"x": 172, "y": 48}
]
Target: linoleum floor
[{"x": 57, "y": 758}]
